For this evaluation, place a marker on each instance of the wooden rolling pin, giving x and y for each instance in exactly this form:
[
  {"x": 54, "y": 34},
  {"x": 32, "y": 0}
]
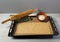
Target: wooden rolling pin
[{"x": 19, "y": 15}]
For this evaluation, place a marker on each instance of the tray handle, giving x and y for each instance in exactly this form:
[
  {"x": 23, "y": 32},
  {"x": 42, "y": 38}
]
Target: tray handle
[
  {"x": 10, "y": 30},
  {"x": 54, "y": 26}
]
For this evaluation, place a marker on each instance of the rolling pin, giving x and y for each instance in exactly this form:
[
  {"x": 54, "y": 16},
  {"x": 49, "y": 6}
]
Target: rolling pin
[{"x": 19, "y": 15}]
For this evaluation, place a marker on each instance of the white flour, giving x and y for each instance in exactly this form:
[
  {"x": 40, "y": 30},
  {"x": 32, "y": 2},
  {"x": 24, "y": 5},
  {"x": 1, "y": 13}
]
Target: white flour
[{"x": 41, "y": 17}]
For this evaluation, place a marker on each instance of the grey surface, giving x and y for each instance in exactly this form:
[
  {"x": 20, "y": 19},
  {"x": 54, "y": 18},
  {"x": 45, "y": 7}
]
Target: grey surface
[
  {"x": 21, "y": 5},
  {"x": 4, "y": 28}
]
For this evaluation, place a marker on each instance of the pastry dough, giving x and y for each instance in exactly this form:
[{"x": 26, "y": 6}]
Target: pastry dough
[{"x": 33, "y": 27}]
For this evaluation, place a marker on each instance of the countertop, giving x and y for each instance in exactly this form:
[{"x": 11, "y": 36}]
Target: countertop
[{"x": 4, "y": 29}]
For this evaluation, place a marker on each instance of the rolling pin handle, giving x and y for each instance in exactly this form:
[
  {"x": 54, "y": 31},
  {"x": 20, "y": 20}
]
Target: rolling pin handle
[
  {"x": 36, "y": 9},
  {"x": 5, "y": 21}
]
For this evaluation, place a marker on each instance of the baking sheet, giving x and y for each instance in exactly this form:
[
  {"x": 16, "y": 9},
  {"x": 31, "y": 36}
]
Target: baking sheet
[{"x": 13, "y": 31}]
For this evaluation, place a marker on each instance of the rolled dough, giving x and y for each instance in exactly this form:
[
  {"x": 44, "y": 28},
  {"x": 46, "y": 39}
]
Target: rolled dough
[{"x": 33, "y": 27}]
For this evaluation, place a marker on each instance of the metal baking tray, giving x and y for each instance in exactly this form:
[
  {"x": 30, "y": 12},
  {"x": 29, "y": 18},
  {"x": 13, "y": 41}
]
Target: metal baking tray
[{"x": 12, "y": 30}]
